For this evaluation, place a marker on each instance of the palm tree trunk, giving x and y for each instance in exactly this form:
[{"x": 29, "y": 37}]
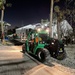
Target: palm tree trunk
[
  {"x": 58, "y": 30},
  {"x": 2, "y": 27},
  {"x": 51, "y": 17}
]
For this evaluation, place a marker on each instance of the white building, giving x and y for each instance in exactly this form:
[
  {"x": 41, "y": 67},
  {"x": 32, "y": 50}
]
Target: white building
[
  {"x": 65, "y": 28},
  {"x": 5, "y": 27}
]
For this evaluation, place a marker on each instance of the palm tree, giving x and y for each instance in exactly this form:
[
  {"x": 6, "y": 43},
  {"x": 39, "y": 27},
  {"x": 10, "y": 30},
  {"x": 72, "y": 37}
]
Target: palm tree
[
  {"x": 2, "y": 8},
  {"x": 2, "y": 3},
  {"x": 51, "y": 16}
]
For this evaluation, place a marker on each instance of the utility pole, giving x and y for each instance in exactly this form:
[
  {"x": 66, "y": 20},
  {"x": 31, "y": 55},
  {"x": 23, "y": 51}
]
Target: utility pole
[{"x": 51, "y": 17}]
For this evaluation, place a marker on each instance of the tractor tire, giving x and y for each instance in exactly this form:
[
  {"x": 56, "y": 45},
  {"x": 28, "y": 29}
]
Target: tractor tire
[
  {"x": 43, "y": 55},
  {"x": 23, "y": 48},
  {"x": 62, "y": 56}
]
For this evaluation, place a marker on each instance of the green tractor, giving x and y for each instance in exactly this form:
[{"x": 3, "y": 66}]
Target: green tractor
[
  {"x": 42, "y": 46},
  {"x": 34, "y": 46}
]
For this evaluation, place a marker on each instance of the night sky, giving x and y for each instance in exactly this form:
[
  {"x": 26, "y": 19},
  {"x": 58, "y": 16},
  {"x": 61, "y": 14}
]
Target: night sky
[{"x": 24, "y": 12}]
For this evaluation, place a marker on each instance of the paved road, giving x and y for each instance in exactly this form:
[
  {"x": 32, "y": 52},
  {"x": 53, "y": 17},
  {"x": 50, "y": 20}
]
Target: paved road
[
  {"x": 46, "y": 70},
  {"x": 13, "y": 53},
  {"x": 13, "y": 61},
  {"x": 63, "y": 67},
  {"x": 18, "y": 68},
  {"x": 10, "y": 52}
]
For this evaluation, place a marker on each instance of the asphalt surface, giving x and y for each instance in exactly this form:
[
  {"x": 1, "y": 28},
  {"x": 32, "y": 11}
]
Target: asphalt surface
[{"x": 13, "y": 61}]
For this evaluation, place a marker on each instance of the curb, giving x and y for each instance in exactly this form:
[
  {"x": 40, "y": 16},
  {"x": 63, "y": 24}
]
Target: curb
[
  {"x": 35, "y": 60},
  {"x": 11, "y": 62},
  {"x": 17, "y": 61}
]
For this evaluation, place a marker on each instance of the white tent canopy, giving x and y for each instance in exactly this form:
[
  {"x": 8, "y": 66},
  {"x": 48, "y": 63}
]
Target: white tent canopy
[
  {"x": 28, "y": 27},
  {"x": 65, "y": 28}
]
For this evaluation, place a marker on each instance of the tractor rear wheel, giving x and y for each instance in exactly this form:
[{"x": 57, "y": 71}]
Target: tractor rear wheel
[
  {"x": 62, "y": 56},
  {"x": 43, "y": 55}
]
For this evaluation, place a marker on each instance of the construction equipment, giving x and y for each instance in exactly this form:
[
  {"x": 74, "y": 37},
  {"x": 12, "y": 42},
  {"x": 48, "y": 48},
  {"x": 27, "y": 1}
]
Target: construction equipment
[{"x": 41, "y": 45}]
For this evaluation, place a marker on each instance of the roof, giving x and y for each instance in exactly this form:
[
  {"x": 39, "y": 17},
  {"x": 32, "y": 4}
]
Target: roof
[{"x": 5, "y": 23}]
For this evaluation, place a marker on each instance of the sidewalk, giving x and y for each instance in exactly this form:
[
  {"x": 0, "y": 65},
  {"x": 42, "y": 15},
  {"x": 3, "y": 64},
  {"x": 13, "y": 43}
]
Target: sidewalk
[
  {"x": 10, "y": 53},
  {"x": 8, "y": 43}
]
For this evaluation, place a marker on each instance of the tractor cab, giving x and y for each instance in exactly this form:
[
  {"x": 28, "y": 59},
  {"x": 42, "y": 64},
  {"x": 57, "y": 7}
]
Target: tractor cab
[{"x": 35, "y": 42}]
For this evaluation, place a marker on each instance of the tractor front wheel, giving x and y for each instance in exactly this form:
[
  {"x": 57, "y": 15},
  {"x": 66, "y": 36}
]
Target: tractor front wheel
[{"x": 43, "y": 55}]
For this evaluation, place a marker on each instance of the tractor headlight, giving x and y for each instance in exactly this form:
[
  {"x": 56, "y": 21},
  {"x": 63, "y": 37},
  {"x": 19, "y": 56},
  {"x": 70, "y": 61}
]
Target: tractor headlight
[
  {"x": 39, "y": 29},
  {"x": 47, "y": 30},
  {"x": 52, "y": 43},
  {"x": 42, "y": 42}
]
